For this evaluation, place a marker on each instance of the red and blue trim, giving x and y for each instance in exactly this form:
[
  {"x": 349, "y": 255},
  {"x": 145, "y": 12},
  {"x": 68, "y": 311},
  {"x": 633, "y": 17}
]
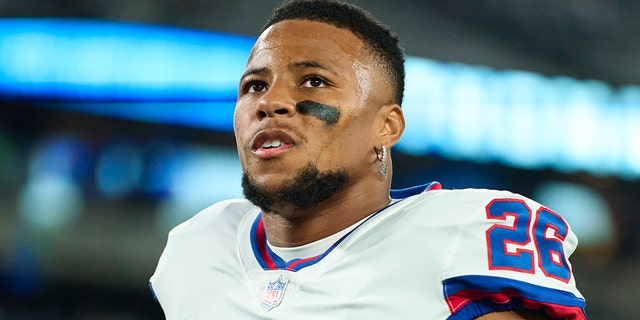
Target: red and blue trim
[
  {"x": 469, "y": 297},
  {"x": 411, "y": 191},
  {"x": 269, "y": 260}
]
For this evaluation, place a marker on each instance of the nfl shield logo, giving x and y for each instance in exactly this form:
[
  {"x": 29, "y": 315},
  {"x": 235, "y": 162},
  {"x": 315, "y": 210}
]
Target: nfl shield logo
[{"x": 274, "y": 293}]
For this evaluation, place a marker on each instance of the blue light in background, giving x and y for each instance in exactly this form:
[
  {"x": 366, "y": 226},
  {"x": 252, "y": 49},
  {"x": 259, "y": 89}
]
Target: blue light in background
[
  {"x": 189, "y": 78},
  {"x": 119, "y": 168},
  {"x": 584, "y": 208},
  {"x": 162, "y": 160},
  {"x": 208, "y": 115},
  {"x": 50, "y": 202},
  {"x": 520, "y": 119},
  {"x": 631, "y": 131},
  {"x": 208, "y": 175},
  {"x": 52, "y": 198},
  {"x": 89, "y": 60},
  {"x": 63, "y": 155}
]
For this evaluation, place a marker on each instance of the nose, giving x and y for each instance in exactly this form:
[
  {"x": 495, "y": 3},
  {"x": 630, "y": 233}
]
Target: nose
[{"x": 275, "y": 102}]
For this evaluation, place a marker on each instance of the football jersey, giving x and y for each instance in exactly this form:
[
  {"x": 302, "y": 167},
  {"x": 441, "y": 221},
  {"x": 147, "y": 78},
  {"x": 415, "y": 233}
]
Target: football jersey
[{"x": 439, "y": 254}]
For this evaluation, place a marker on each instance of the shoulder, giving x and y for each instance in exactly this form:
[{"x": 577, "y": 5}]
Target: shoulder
[
  {"x": 214, "y": 227},
  {"x": 193, "y": 247},
  {"x": 470, "y": 195},
  {"x": 462, "y": 202},
  {"x": 494, "y": 217},
  {"x": 223, "y": 214},
  {"x": 505, "y": 245}
]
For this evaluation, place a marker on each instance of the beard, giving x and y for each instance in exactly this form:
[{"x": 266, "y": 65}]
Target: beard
[{"x": 309, "y": 188}]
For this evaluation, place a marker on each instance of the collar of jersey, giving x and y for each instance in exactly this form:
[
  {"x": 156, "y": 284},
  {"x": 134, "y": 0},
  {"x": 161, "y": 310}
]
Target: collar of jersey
[{"x": 269, "y": 260}]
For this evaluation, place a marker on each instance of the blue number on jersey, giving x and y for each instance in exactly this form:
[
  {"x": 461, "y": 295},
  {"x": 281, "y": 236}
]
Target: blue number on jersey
[
  {"x": 550, "y": 251},
  {"x": 507, "y": 241}
]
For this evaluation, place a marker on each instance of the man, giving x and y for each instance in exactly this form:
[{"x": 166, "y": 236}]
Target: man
[{"x": 320, "y": 236}]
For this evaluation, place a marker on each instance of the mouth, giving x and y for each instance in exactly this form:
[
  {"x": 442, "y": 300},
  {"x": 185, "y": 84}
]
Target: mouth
[{"x": 271, "y": 143}]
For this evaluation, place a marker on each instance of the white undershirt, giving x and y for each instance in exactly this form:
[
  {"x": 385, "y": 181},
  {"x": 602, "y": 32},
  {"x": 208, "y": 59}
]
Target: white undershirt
[
  {"x": 317, "y": 247},
  {"x": 311, "y": 249}
]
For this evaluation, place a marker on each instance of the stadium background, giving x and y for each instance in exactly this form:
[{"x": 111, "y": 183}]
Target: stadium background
[{"x": 86, "y": 198}]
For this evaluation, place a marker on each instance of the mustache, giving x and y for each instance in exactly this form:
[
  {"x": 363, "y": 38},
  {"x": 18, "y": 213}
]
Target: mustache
[{"x": 326, "y": 113}]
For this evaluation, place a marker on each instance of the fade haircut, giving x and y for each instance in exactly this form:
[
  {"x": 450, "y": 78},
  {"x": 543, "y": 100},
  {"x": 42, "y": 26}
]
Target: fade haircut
[{"x": 376, "y": 36}]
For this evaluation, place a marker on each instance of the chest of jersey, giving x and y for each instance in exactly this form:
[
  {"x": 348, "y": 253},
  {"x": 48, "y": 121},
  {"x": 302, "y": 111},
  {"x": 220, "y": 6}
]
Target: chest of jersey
[
  {"x": 379, "y": 271},
  {"x": 396, "y": 265}
]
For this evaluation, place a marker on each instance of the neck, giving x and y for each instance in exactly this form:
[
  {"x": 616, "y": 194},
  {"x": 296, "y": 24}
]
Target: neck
[{"x": 288, "y": 227}]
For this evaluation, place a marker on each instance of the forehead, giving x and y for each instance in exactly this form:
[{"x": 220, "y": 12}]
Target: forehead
[{"x": 308, "y": 40}]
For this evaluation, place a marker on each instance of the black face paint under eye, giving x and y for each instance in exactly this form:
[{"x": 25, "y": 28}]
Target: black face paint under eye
[{"x": 321, "y": 111}]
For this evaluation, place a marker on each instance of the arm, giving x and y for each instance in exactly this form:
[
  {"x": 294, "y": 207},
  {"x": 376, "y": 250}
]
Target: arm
[
  {"x": 514, "y": 255},
  {"x": 513, "y": 315}
]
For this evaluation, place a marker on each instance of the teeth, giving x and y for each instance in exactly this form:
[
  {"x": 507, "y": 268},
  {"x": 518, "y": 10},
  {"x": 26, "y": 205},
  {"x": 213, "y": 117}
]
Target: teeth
[{"x": 272, "y": 144}]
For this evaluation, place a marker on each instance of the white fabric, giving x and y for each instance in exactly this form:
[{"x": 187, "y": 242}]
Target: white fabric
[
  {"x": 312, "y": 249},
  {"x": 412, "y": 260}
]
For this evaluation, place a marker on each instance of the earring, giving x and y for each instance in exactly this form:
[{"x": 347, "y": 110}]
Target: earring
[{"x": 382, "y": 157}]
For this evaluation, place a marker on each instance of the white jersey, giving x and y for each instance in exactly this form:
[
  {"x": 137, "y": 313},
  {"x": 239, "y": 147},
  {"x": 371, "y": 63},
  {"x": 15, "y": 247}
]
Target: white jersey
[{"x": 441, "y": 254}]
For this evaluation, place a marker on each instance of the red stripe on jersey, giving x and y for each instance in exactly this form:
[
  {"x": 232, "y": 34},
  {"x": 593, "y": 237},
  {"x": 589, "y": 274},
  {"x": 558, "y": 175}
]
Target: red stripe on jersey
[
  {"x": 433, "y": 186},
  {"x": 262, "y": 246},
  {"x": 293, "y": 264},
  {"x": 465, "y": 295},
  {"x": 464, "y": 298}
]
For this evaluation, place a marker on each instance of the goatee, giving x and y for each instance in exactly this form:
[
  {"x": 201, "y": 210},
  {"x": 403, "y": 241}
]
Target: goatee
[{"x": 308, "y": 189}]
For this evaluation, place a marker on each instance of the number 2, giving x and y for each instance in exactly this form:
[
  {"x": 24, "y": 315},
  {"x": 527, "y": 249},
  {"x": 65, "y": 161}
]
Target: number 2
[{"x": 507, "y": 242}]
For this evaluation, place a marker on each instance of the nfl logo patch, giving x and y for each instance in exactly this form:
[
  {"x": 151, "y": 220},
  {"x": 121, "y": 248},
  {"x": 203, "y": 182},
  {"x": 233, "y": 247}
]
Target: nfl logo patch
[{"x": 274, "y": 293}]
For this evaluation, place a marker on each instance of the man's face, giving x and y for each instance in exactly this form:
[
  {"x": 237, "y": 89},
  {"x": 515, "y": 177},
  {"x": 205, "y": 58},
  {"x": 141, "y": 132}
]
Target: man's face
[{"x": 328, "y": 73}]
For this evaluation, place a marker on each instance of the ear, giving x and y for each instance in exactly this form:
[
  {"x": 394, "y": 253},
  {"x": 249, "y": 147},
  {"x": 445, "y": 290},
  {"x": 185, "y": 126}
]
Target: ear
[{"x": 392, "y": 125}]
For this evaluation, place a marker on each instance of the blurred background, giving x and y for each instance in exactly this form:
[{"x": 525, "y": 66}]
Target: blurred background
[{"x": 115, "y": 126}]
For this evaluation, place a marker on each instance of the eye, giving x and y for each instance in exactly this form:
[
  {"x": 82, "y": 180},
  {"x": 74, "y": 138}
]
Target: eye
[
  {"x": 255, "y": 86},
  {"x": 314, "y": 82}
]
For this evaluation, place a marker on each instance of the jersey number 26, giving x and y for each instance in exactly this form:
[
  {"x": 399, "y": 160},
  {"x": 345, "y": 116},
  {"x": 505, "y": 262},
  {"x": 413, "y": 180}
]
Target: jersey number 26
[{"x": 508, "y": 243}]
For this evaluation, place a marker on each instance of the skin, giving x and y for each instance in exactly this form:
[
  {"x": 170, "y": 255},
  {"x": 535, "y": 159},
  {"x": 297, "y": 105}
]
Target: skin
[
  {"x": 300, "y": 60},
  {"x": 295, "y": 61},
  {"x": 511, "y": 315}
]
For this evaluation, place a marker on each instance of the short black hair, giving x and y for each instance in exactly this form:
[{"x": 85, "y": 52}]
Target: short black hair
[{"x": 380, "y": 40}]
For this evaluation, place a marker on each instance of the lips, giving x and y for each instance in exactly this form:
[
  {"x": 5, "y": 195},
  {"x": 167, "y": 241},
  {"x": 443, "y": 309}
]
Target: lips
[{"x": 270, "y": 143}]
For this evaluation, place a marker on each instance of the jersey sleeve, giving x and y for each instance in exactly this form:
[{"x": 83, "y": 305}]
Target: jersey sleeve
[{"x": 510, "y": 253}]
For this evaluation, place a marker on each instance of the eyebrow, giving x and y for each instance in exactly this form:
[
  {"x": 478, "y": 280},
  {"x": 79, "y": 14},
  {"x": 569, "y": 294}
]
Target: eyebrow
[
  {"x": 294, "y": 65},
  {"x": 254, "y": 71},
  {"x": 310, "y": 64}
]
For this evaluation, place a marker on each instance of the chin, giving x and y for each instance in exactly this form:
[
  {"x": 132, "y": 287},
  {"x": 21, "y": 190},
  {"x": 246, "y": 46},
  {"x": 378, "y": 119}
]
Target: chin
[{"x": 271, "y": 181}]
